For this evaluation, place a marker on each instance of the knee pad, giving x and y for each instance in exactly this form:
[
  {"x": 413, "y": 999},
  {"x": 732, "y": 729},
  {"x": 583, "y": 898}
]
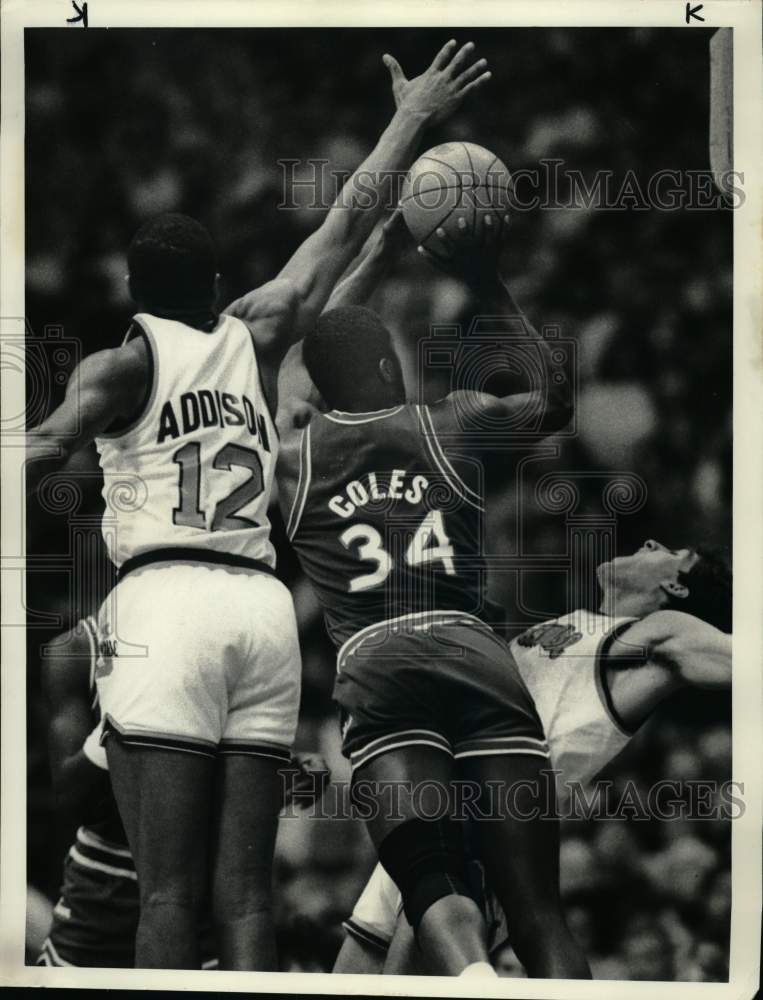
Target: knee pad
[{"x": 427, "y": 861}]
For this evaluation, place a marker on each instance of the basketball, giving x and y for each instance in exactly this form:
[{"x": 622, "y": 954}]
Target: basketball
[{"x": 454, "y": 186}]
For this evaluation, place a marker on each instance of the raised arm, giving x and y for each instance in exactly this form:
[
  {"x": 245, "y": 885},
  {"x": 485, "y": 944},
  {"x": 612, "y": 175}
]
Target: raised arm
[
  {"x": 531, "y": 389},
  {"x": 299, "y": 397},
  {"x": 695, "y": 653},
  {"x": 363, "y": 279},
  {"x": 661, "y": 654},
  {"x": 305, "y": 283},
  {"x": 105, "y": 387}
]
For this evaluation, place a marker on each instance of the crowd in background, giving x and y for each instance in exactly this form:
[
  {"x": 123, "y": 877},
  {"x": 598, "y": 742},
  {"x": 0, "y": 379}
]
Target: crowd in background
[{"x": 138, "y": 122}]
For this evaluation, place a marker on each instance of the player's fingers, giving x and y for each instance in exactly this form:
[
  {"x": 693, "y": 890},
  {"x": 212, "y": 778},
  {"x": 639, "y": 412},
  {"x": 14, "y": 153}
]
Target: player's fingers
[
  {"x": 462, "y": 225},
  {"x": 475, "y": 83},
  {"x": 459, "y": 60},
  {"x": 488, "y": 229},
  {"x": 473, "y": 71},
  {"x": 442, "y": 57},
  {"x": 443, "y": 236},
  {"x": 394, "y": 67}
]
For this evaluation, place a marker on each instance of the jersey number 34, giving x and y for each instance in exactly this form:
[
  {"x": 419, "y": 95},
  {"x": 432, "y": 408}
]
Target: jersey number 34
[{"x": 429, "y": 544}]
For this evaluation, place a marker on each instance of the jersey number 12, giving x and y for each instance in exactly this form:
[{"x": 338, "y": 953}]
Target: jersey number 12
[{"x": 188, "y": 513}]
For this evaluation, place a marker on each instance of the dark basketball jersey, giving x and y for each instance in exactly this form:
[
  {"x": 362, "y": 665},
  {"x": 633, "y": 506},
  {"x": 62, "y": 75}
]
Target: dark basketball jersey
[{"x": 384, "y": 522}]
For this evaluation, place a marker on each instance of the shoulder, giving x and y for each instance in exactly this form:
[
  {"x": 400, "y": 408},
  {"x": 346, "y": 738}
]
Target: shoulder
[
  {"x": 275, "y": 298},
  {"x": 131, "y": 361},
  {"x": 665, "y": 636},
  {"x": 660, "y": 626},
  {"x": 269, "y": 312}
]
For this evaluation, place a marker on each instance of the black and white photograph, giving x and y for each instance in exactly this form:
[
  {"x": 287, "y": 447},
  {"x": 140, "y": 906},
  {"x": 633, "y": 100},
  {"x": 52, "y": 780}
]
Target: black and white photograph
[{"x": 382, "y": 498}]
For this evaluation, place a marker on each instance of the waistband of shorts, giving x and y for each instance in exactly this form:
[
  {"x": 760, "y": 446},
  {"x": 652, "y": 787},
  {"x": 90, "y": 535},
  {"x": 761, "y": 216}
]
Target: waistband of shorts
[
  {"x": 186, "y": 554},
  {"x": 418, "y": 622}
]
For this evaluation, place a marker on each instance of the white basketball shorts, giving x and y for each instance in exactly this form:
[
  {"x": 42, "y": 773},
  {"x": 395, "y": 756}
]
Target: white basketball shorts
[{"x": 202, "y": 658}]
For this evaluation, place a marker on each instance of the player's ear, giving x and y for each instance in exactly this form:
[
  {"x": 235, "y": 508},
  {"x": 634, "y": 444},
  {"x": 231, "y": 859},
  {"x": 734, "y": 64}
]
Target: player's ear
[
  {"x": 675, "y": 589},
  {"x": 387, "y": 370}
]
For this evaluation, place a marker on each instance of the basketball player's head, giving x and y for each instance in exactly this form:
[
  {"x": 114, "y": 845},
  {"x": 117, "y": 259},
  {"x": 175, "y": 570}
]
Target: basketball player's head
[
  {"x": 696, "y": 581},
  {"x": 352, "y": 361},
  {"x": 172, "y": 267}
]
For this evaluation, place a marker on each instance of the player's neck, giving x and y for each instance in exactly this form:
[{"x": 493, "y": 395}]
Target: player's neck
[
  {"x": 625, "y": 605},
  {"x": 370, "y": 404},
  {"x": 201, "y": 318}
]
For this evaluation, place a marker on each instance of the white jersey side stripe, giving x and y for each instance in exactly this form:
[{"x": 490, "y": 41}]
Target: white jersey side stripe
[
  {"x": 429, "y": 444},
  {"x": 303, "y": 484},
  {"x": 446, "y": 461}
]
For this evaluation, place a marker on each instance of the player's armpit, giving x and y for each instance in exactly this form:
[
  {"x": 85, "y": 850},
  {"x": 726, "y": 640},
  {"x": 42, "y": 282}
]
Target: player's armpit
[
  {"x": 107, "y": 386},
  {"x": 698, "y": 653},
  {"x": 675, "y": 650}
]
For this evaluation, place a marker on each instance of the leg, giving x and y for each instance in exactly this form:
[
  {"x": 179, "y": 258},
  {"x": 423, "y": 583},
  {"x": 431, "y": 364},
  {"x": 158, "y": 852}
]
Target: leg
[
  {"x": 164, "y": 800},
  {"x": 521, "y": 858},
  {"x": 426, "y": 856},
  {"x": 403, "y": 957},
  {"x": 246, "y": 821},
  {"x": 359, "y": 958}
]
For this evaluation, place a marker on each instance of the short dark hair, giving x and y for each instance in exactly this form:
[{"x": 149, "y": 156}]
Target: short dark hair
[
  {"x": 172, "y": 263},
  {"x": 343, "y": 352},
  {"x": 709, "y": 585}
]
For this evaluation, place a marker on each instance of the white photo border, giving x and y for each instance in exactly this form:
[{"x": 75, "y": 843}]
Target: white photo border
[{"x": 747, "y": 696}]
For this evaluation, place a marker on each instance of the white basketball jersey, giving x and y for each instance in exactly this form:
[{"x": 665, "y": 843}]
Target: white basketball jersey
[
  {"x": 195, "y": 471},
  {"x": 561, "y": 662}
]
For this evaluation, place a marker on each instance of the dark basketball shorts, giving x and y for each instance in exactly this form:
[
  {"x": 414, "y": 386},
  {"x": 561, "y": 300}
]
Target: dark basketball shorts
[
  {"x": 437, "y": 679},
  {"x": 96, "y": 917}
]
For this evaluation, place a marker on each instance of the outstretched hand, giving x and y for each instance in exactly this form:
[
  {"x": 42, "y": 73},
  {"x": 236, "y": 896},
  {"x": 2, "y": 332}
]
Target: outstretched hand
[{"x": 439, "y": 90}]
